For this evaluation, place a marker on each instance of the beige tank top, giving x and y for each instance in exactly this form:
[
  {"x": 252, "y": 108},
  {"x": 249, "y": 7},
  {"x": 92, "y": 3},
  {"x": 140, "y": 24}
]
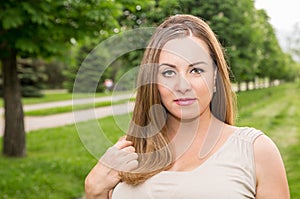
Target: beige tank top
[{"x": 228, "y": 174}]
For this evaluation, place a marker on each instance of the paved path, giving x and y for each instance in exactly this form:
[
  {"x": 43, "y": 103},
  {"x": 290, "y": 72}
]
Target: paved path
[{"x": 34, "y": 123}]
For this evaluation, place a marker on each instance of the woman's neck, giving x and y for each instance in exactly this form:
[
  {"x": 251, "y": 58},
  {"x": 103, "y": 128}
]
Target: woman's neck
[
  {"x": 202, "y": 132},
  {"x": 199, "y": 125}
]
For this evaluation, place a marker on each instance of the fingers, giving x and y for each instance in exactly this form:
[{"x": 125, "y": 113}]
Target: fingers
[
  {"x": 105, "y": 175},
  {"x": 122, "y": 144},
  {"x": 128, "y": 163},
  {"x": 121, "y": 156},
  {"x": 129, "y": 149},
  {"x": 132, "y": 165}
]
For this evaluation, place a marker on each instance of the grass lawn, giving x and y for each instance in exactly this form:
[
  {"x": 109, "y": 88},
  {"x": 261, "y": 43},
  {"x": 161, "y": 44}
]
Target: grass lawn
[
  {"x": 52, "y": 97},
  {"x": 57, "y": 162},
  {"x": 65, "y": 109},
  {"x": 276, "y": 111},
  {"x": 55, "y": 166}
]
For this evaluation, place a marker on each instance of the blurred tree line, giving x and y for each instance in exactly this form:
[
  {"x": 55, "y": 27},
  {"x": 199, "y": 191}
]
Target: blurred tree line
[
  {"x": 43, "y": 43},
  {"x": 245, "y": 32},
  {"x": 248, "y": 38}
]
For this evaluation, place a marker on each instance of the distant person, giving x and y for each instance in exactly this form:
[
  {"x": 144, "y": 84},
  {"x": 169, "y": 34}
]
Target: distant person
[
  {"x": 182, "y": 142},
  {"x": 109, "y": 85}
]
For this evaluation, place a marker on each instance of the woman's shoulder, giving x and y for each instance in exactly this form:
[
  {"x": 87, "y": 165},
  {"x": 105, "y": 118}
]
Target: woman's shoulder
[
  {"x": 265, "y": 150},
  {"x": 270, "y": 171},
  {"x": 249, "y": 134},
  {"x": 263, "y": 145}
]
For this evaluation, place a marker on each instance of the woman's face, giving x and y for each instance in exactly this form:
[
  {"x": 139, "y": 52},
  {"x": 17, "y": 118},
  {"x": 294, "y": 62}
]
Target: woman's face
[{"x": 186, "y": 77}]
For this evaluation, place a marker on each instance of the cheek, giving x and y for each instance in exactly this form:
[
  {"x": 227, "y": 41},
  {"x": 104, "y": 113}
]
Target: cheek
[
  {"x": 166, "y": 95},
  {"x": 203, "y": 90},
  {"x": 164, "y": 91},
  {"x": 206, "y": 85}
]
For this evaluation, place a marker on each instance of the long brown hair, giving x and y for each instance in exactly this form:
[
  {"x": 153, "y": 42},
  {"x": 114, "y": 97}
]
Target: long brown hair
[{"x": 147, "y": 130}]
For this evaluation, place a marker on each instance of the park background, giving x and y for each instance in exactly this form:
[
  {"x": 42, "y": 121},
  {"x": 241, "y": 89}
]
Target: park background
[{"x": 42, "y": 46}]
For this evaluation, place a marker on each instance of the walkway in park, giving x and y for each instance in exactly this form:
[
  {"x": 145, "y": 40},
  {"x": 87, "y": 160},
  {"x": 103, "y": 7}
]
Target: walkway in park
[{"x": 39, "y": 122}]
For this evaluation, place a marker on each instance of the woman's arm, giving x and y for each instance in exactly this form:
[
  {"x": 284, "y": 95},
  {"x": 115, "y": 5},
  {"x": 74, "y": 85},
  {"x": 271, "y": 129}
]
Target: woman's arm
[
  {"x": 100, "y": 181},
  {"x": 270, "y": 171},
  {"x": 105, "y": 175}
]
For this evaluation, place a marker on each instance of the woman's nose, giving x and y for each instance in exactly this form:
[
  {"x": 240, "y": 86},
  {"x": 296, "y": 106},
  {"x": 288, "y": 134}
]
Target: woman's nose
[{"x": 182, "y": 84}]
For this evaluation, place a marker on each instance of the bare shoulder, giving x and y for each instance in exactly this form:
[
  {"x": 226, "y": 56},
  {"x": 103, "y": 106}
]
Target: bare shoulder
[
  {"x": 264, "y": 146},
  {"x": 270, "y": 171}
]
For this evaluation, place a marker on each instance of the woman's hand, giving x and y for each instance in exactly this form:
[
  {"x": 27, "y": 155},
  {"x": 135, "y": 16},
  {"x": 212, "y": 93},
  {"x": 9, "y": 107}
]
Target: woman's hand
[{"x": 105, "y": 175}]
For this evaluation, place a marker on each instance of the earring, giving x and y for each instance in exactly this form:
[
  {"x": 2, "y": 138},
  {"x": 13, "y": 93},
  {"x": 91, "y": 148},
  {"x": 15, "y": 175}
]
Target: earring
[{"x": 215, "y": 78}]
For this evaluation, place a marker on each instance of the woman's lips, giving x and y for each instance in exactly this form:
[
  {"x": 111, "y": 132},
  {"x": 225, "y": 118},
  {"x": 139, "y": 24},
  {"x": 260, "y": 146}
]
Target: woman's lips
[{"x": 185, "y": 101}]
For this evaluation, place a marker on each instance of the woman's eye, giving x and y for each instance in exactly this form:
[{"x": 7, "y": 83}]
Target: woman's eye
[
  {"x": 168, "y": 73},
  {"x": 197, "y": 70}
]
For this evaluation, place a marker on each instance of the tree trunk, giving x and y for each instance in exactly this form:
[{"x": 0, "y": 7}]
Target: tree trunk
[
  {"x": 254, "y": 84},
  {"x": 247, "y": 85},
  {"x": 14, "y": 134},
  {"x": 270, "y": 83},
  {"x": 239, "y": 87}
]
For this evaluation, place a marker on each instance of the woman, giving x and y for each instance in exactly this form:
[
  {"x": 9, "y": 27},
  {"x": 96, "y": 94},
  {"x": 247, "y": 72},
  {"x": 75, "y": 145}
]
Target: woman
[{"x": 182, "y": 142}]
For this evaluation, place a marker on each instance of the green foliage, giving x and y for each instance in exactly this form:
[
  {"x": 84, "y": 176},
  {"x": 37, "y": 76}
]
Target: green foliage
[
  {"x": 31, "y": 76},
  {"x": 31, "y": 79},
  {"x": 98, "y": 66},
  {"x": 245, "y": 33},
  {"x": 234, "y": 23},
  {"x": 294, "y": 42},
  {"x": 54, "y": 71},
  {"x": 45, "y": 28}
]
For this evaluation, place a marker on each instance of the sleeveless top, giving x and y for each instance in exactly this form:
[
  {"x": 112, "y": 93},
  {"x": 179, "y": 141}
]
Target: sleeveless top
[{"x": 229, "y": 173}]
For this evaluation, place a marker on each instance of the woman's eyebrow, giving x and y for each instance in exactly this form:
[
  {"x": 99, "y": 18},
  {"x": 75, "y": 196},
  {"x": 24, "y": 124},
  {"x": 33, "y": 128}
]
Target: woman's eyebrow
[
  {"x": 190, "y": 65},
  {"x": 199, "y": 62},
  {"x": 166, "y": 64}
]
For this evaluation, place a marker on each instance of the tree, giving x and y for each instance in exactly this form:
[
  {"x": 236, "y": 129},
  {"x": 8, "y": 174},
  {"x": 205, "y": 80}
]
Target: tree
[
  {"x": 294, "y": 42},
  {"x": 235, "y": 24},
  {"x": 31, "y": 77},
  {"x": 271, "y": 65},
  {"x": 42, "y": 29},
  {"x": 134, "y": 15}
]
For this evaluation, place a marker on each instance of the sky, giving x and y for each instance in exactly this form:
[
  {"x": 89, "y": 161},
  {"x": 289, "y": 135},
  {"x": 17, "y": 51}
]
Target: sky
[{"x": 284, "y": 14}]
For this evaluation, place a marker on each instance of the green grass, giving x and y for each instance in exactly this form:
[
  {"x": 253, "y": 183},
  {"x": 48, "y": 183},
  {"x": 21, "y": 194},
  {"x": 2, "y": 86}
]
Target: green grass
[
  {"x": 65, "y": 109},
  {"x": 52, "y": 97},
  {"x": 48, "y": 97},
  {"x": 57, "y": 162},
  {"x": 276, "y": 111},
  {"x": 55, "y": 166}
]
